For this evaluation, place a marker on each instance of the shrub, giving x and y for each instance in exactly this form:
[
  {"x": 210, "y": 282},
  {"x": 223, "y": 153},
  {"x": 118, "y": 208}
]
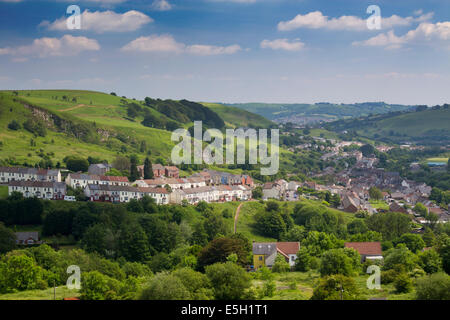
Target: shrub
[
  {"x": 14, "y": 125},
  {"x": 403, "y": 283}
]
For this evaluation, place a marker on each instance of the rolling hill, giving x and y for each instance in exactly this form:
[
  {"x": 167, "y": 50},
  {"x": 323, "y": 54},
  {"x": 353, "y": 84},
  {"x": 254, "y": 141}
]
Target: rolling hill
[
  {"x": 49, "y": 125},
  {"x": 235, "y": 117},
  {"x": 425, "y": 126},
  {"x": 311, "y": 113}
]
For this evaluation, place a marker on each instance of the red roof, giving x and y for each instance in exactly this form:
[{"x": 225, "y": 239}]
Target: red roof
[
  {"x": 288, "y": 247},
  {"x": 114, "y": 178},
  {"x": 366, "y": 248}
]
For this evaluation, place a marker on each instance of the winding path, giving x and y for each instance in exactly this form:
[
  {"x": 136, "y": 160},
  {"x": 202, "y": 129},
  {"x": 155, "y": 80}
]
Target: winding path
[{"x": 236, "y": 216}]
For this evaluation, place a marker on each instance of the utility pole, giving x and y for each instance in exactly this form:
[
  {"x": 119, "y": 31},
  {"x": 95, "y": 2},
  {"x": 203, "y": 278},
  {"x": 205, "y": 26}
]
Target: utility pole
[{"x": 54, "y": 290}]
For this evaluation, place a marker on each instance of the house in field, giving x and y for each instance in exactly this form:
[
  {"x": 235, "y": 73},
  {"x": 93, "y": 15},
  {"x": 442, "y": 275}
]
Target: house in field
[
  {"x": 367, "y": 250},
  {"x": 39, "y": 189},
  {"x": 8, "y": 174},
  {"x": 111, "y": 193},
  {"x": 99, "y": 169},
  {"x": 265, "y": 253},
  {"x": 27, "y": 238}
]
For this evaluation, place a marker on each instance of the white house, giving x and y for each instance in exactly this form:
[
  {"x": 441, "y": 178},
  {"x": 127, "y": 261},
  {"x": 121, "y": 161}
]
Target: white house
[
  {"x": 111, "y": 193},
  {"x": 38, "y": 189},
  {"x": 8, "y": 174},
  {"x": 161, "y": 195},
  {"x": 79, "y": 180}
]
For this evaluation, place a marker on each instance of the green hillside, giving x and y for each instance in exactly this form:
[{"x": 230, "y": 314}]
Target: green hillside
[
  {"x": 235, "y": 117},
  {"x": 323, "y": 111},
  {"x": 429, "y": 126}
]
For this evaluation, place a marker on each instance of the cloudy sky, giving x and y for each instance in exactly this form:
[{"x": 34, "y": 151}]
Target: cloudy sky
[{"x": 289, "y": 51}]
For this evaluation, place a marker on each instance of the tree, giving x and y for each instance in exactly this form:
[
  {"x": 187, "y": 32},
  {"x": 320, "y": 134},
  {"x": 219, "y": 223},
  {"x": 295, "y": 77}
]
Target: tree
[
  {"x": 14, "y": 125},
  {"x": 433, "y": 287},
  {"x": 390, "y": 224},
  {"x": 270, "y": 223},
  {"x": 420, "y": 209},
  {"x": 148, "y": 169},
  {"x": 134, "y": 173},
  {"x": 343, "y": 261},
  {"x": 22, "y": 273},
  {"x": 94, "y": 286},
  {"x": 196, "y": 283},
  {"x": 280, "y": 265},
  {"x": 430, "y": 261},
  {"x": 303, "y": 261},
  {"x": 165, "y": 286},
  {"x": 257, "y": 193},
  {"x": 219, "y": 249},
  {"x": 400, "y": 256},
  {"x": 77, "y": 164},
  {"x": 121, "y": 163},
  {"x": 403, "y": 283},
  {"x": 357, "y": 226},
  {"x": 7, "y": 239},
  {"x": 336, "y": 287},
  {"x": 375, "y": 193},
  {"x": 413, "y": 242},
  {"x": 215, "y": 226},
  {"x": 133, "y": 243},
  {"x": 229, "y": 281},
  {"x": 367, "y": 150}
]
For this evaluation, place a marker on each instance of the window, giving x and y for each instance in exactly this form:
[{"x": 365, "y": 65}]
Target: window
[{"x": 260, "y": 258}]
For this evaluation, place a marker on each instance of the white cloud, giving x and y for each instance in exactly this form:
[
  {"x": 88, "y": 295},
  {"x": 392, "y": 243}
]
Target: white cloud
[
  {"x": 105, "y": 21},
  {"x": 166, "y": 43},
  {"x": 283, "y": 44},
  {"x": 161, "y": 5},
  {"x": 155, "y": 43},
  {"x": 207, "y": 50},
  {"x": 424, "y": 33},
  {"x": 49, "y": 47},
  {"x": 316, "y": 20}
]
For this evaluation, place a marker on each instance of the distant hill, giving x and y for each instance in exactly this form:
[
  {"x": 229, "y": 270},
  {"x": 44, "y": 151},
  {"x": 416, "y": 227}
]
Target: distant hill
[
  {"x": 319, "y": 112},
  {"x": 235, "y": 117},
  {"x": 425, "y": 126}
]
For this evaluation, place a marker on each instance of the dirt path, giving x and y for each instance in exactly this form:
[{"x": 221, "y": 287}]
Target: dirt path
[
  {"x": 72, "y": 108},
  {"x": 236, "y": 216}
]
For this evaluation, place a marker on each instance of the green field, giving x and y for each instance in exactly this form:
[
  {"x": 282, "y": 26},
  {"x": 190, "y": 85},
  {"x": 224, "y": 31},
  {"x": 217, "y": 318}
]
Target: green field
[
  {"x": 379, "y": 204},
  {"x": 59, "y": 293}
]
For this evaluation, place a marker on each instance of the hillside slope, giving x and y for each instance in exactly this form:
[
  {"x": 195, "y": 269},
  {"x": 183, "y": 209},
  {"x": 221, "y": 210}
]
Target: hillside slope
[
  {"x": 431, "y": 126},
  {"x": 235, "y": 117},
  {"x": 307, "y": 113}
]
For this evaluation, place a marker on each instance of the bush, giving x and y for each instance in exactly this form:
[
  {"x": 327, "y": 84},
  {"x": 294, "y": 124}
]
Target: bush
[
  {"x": 403, "y": 283},
  {"x": 14, "y": 125},
  {"x": 280, "y": 265},
  {"x": 433, "y": 287}
]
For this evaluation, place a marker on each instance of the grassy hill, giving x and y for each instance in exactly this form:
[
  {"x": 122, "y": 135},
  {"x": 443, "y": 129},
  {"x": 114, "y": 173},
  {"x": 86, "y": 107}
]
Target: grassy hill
[
  {"x": 318, "y": 111},
  {"x": 429, "y": 126},
  {"x": 53, "y": 124},
  {"x": 235, "y": 117}
]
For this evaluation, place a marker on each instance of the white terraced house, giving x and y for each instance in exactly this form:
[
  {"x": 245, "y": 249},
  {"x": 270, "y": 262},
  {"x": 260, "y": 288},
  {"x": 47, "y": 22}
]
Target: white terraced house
[
  {"x": 8, "y": 174},
  {"x": 79, "y": 180},
  {"x": 39, "y": 189},
  {"x": 161, "y": 195},
  {"x": 108, "y": 193}
]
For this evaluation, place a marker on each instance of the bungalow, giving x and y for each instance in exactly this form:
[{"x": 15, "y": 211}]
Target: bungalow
[
  {"x": 367, "y": 250},
  {"x": 111, "y": 193},
  {"x": 38, "y": 189},
  {"x": 27, "y": 238},
  {"x": 8, "y": 174}
]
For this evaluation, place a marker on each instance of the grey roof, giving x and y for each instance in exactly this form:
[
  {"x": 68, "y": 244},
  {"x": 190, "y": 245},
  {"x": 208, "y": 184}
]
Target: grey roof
[
  {"x": 105, "y": 187},
  {"x": 22, "y": 236},
  {"x": 267, "y": 248},
  {"x": 38, "y": 184}
]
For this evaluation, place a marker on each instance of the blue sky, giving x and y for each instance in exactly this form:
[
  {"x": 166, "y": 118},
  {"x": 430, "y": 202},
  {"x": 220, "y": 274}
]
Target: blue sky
[{"x": 288, "y": 51}]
